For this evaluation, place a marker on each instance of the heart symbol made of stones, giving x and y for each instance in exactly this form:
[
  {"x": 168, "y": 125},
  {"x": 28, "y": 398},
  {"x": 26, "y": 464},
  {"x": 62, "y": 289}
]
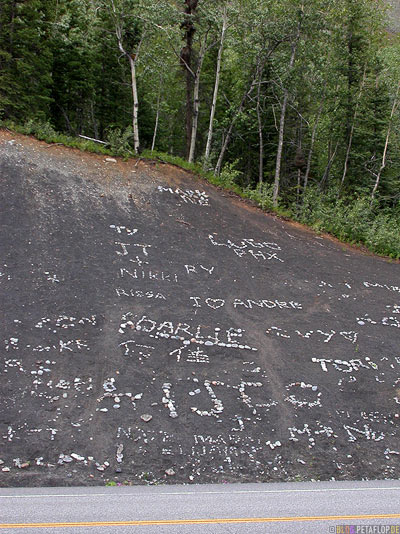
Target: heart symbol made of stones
[{"x": 215, "y": 303}]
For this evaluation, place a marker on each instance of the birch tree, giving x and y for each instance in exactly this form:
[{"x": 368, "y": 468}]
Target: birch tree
[
  {"x": 228, "y": 133},
  {"x": 378, "y": 175},
  {"x": 216, "y": 85},
  {"x": 353, "y": 124},
  {"x": 311, "y": 150},
  {"x": 133, "y": 23},
  {"x": 256, "y": 37},
  {"x": 196, "y": 98},
  {"x": 121, "y": 12},
  {"x": 294, "y": 46},
  {"x": 186, "y": 59}
]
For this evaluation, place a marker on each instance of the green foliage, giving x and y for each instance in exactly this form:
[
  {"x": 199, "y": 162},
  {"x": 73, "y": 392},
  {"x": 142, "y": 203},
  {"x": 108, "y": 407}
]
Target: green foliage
[
  {"x": 355, "y": 221},
  {"x": 45, "y": 132},
  {"x": 262, "y": 194},
  {"x": 230, "y": 175},
  {"x": 173, "y": 160},
  {"x": 383, "y": 235},
  {"x": 119, "y": 140},
  {"x": 42, "y": 130},
  {"x": 26, "y": 58}
]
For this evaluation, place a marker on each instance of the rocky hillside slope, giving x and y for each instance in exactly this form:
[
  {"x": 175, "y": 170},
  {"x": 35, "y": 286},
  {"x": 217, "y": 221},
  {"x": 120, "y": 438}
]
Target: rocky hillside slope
[{"x": 154, "y": 328}]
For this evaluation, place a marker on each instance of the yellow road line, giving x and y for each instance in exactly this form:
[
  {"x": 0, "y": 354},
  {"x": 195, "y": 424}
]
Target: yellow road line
[{"x": 199, "y": 521}]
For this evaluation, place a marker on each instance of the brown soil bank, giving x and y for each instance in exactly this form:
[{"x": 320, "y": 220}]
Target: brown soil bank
[{"x": 156, "y": 330}]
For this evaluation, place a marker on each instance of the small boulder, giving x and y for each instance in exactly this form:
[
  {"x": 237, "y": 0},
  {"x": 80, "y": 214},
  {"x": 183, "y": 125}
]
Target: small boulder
[{"x": 146, "y": 417}]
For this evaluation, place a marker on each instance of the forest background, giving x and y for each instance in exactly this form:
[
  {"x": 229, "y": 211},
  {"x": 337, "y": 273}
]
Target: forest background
[{"x": 293, "y": 103}]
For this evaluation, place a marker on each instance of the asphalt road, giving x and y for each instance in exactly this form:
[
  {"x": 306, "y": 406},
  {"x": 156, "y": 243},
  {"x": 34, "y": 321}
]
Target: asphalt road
[{"x": 318, "y": 507}]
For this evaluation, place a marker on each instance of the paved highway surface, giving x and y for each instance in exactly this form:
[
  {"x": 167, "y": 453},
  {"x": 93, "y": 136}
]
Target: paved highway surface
[{"x": 318, "y": 507}]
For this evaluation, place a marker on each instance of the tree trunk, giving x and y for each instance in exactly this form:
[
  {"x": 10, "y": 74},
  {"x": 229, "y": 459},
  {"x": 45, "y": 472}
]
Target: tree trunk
[
  {"x": 157, "y": 115},
  {"x": 132, "y": 58},
  {"x": 346, "y": 161},
  {"x": 196, "y": 101},
  {"x": 310, "y": 153},
  {"x": 132, "y": 64},
  {"x": 299, "y": 161},
  {"x": 186, "y": 62},
  {"x": 331, "y": 157},
  {"x": 229, "y": 132},
  {"x": 384, "y": 155},
  {"x": 189, "y": 111},
  {"x": 225, "y": 143},
  {"x": 216, "y": 86},
  {"x": 260, "y": 133},
  {"x": 282, "y": 119},
  {"x": 94, "y": 121},
  {"x": 298, "y": 187}
]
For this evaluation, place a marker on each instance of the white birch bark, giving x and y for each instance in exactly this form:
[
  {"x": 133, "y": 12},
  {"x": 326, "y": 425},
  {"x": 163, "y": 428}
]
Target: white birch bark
[
  {"x": 246, "y": 95},
  {"x": 331, "y": 157},
  {"x": 135, "y": 124},
  {"x": 132, "y": 58},
  {"x": 260, "y": 133},
  {"x": 310, "y": 153},
  {"x": 280, "y": 148},
  {"x": 384, "y": 155},
  {"x": 218, "y": 166},
  {"x": 216, "y": 87},
  {"x": 300, "y": 143},
  {"x": 349, "y": 144},
  {"x": 157, "y": 115},
  {"x": 282, "y": 122},
  {"x": 196, "y": 101}
]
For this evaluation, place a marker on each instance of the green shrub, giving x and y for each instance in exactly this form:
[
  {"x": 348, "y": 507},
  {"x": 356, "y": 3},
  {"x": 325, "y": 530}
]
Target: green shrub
[
  {"x": 383, "y": 236},
  {"x": 173, "y": 160},
  {"x": 262, "y": 194},
  {"x": 45, "y": 132},
  {"x": 229, "y": 174},
  {"x": 352, "y": 220},
  {"x": 119, "y": 140},
  {"x": 42, "y": 130}
]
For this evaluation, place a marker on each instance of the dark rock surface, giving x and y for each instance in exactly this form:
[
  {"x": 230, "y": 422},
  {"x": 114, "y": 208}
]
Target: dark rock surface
[{"x": 156, "y": 329}]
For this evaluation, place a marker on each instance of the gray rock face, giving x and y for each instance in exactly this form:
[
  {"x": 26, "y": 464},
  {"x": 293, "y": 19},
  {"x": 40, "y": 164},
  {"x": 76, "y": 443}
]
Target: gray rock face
[{"x": 234, "y": 347}]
